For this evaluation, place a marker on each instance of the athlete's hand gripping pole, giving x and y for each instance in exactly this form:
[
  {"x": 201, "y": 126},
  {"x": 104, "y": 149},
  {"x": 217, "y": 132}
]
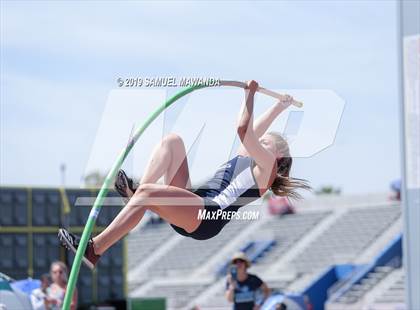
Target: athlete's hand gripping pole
[{"x": 261, "y": 90}]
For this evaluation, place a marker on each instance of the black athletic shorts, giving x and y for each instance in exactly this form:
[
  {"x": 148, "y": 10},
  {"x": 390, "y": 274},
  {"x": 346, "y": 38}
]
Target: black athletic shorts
[{"x": 208, "y": 228}]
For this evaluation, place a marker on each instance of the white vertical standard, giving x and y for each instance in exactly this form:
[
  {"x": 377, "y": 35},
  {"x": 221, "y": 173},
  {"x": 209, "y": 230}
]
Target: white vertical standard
[{"x": 409, "y": 52}]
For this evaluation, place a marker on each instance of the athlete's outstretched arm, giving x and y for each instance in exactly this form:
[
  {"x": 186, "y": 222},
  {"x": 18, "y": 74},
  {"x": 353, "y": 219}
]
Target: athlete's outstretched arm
[
  {"x": 246, "y": 117},
  {"x": 263, "y": 158},
  {"x": 266, "y": 119}
]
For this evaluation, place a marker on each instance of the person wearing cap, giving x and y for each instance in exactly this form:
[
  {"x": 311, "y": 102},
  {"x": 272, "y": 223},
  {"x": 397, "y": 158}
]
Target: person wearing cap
[{"x": 243, "y": 288}]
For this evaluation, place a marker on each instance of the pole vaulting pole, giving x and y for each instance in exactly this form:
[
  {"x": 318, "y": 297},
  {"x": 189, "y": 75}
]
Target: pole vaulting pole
[{"x": 87, "y": 231}]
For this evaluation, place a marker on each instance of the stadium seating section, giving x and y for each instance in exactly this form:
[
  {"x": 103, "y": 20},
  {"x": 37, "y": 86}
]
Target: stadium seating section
[{"x": 305, "y": 244}]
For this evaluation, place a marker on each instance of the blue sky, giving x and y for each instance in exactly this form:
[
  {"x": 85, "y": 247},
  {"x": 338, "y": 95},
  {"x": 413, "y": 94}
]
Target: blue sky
[{"x": 60, "y": 61}]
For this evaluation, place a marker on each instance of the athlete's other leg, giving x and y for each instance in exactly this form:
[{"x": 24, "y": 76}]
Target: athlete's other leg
[{"x": 176, "y": 205}]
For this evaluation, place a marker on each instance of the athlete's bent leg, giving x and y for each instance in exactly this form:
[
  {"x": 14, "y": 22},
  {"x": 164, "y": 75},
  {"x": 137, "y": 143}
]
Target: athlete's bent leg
[{"x": 168, "y": 159}]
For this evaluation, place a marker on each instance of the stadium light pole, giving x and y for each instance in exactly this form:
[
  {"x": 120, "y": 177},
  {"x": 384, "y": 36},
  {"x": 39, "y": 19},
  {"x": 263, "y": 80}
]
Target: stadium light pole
[{"x": 63, "y": 174}]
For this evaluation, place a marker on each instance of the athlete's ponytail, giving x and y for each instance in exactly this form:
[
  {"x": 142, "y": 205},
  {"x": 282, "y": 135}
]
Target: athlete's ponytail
[{"x": 283, "y": 184}]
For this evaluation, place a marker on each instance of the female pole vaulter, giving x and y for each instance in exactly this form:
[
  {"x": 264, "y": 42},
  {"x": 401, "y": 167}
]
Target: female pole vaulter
[{"x": 263, "y": 163}]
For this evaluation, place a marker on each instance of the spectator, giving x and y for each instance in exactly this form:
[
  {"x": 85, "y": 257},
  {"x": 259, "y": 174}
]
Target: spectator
[
  {"x": 39, "y": 295},
  {"x": 307, "y": 302},
  {"x": 280, "y": 205},
  {"x": 242, "y": 287},
  {"x": 281, "y": 306},
  {"x": 57, "y": 290},
  {"x": 396, "y": 189}
]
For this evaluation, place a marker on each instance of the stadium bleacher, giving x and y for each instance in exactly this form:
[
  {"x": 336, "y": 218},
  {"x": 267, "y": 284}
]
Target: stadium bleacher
[
  {"x": 359, "y": 290},
  {"x": 346, "y": 238},
  {"x": 175, "y": 262},
  {"x": 395, "y": 293},
  {"x": 286, "y": 230},
  {"x": 381, "y": 289},
  {"x": 145, "y": 240}
]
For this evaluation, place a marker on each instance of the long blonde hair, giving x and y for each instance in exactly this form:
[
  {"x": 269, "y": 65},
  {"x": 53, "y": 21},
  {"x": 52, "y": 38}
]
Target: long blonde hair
[{"x": 283, "y": 184}]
